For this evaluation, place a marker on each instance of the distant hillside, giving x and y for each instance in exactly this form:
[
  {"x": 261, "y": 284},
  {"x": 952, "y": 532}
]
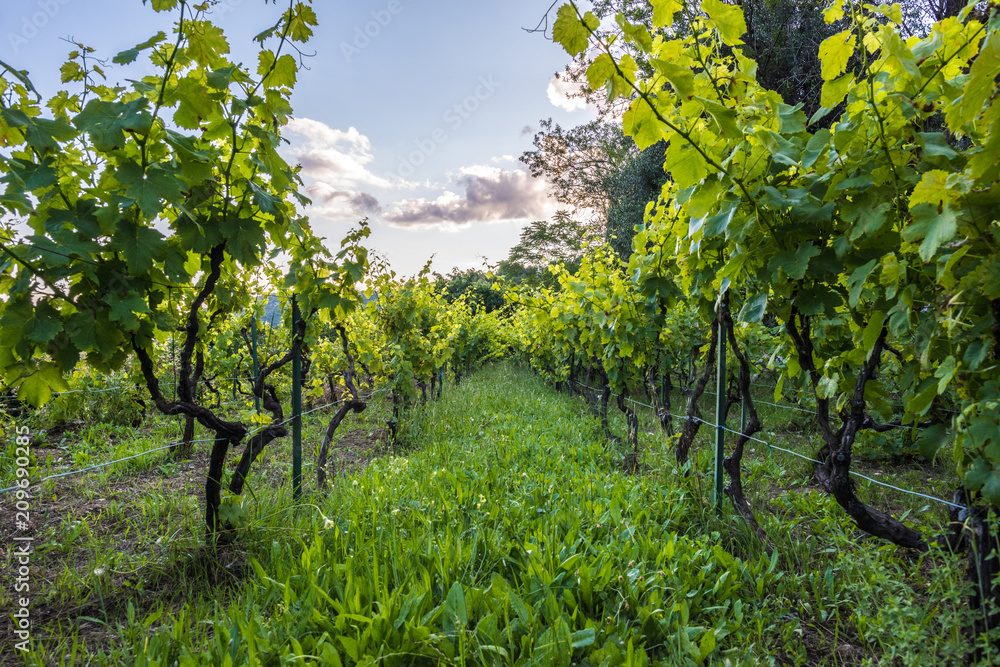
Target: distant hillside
[{"x": 272, "y": 312}]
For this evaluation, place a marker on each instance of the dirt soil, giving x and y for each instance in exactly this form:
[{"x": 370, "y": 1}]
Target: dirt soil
[{"x": 98, "y": 612}]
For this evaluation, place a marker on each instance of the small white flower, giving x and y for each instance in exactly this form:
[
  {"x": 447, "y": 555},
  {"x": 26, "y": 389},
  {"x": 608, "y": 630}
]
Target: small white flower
[
  {"x": 98, "y": 572},
  {"x": 328, "y": 524}
]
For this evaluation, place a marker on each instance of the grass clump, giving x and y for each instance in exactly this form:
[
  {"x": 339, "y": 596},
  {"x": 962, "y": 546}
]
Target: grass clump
[{"x": 507, "y": 533}]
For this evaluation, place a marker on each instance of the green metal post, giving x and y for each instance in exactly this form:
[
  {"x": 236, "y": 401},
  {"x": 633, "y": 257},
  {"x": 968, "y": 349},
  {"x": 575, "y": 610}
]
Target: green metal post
[
  {"x": 720, "y": 414},
  {"x": 236, "y": 371},
  {"x": 296, "y": 409},
  {"x": 253, "y": 353}
]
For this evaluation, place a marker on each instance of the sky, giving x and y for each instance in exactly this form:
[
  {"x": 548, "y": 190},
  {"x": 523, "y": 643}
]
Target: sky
[{"x": 413, "y": 113}]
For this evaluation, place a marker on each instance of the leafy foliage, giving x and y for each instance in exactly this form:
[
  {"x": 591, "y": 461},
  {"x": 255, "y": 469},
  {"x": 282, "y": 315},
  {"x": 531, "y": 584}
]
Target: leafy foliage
[
  {"x": 154, "y": 208},
  {"x": 847, "y": 231}
]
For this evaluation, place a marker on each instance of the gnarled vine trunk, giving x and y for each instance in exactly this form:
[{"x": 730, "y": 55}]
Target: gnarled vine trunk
[
  {"x": 732, "y": 463},
  {"x": 355, "y": 403},
  {"x": 833, "y": 473},
  {"x": 660, "y": 395},
  {"x": 691, "y": 423},
  {"x": 632, "y": 428}
]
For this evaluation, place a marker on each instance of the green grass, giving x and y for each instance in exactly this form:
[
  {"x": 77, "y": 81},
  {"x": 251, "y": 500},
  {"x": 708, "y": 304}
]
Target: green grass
[{"x": 505, "y": 532}]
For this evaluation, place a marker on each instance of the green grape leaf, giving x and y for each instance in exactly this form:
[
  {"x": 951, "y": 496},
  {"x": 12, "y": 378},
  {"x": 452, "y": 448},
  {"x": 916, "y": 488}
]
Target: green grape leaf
[
  {"x": 932, "y": 440},
  {"x": 602, "y": 69},
  {"x": 935, "y": 144},
  {"x": 873, "y": 330},
  {"x": 664, "y": 10},
  {"x": 38, "y": 323},
  {"x": 856, "y": 281},
  {"x": 793, "y": 263},
  {"x": 919, "y": 403},
  {"x": 125, "y": 57},
  {"x": 36, "y": 387},
  {"x": 640, "y": 123},
  {"x": 980, "y": 84},
  {"x": 195, "y": 103},
  {"x": 753, "y": 309},
  {"x": 206, "y": 44},
  {"x": 817, "y": 300},
  {"x": 827, "y": 387},
  {"x": 680, "y": 78},
  {"x": 718, "y": 223},
  {"x": 151, "y": 191},
  {"x": 897, "y": 54},
  {"x": 685, "y": 165},
  {"x": 219, "y": 79},
  {"x": 41, "y": 134},
  {"x": 728, "y": 20},
  {"x": 70, "y": 71},
  {"x": 302, "y": 22},
  {"x": 93, "y": 331},
  {"x": 834, "y": 52},
  {"x": 124, "y": 309},
  {"x": 833, "y": 91},
  {"x": 975, "y": 354},
  {"x": 244, "y": 238},
  {"x": 724, "y": 117},
  {"x": 935, "y": 228},
  {"x": 139, "y": 244},
  {"x": 991, "y": 489},
  {"x": 276, "y": 73},
  {"x": 868, "y": 218},
  {"x": 793, "y": 120},
  {"x": 107, "y": 122},
  {"x": 945, "y": 372},
  {"x": 570, "y": 32}
]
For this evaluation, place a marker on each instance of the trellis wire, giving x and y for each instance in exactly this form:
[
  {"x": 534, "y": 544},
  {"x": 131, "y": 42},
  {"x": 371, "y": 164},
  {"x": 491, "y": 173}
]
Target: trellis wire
[
  {"x": 142, "y": 386},
  {"x": 107, "y": 463},
  {"x": 789, "y": 451},
  {"x": 175, "y": 444}
]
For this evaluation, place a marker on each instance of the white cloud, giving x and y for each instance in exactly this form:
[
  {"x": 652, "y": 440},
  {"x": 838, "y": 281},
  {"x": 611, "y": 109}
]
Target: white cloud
[
  {"x": 490, "y": 194},
  {"x": 560, "y": 91},
  {"x": 335, "y": 204},
  {"x": 333, "y": 156}
]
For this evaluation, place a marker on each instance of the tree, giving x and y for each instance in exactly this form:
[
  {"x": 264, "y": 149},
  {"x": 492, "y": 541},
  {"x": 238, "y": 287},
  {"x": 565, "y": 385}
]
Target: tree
[
  {"x": 149, "y": 210},
  {"x": 578, "y": 163},
  {"x": 869, "y": 236},
  {"x": 783, "y": 38},
  {"x": 545, "y": 242},
  {"x": 631, "y": 189},
  {"x": 472, "y": 285}
]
